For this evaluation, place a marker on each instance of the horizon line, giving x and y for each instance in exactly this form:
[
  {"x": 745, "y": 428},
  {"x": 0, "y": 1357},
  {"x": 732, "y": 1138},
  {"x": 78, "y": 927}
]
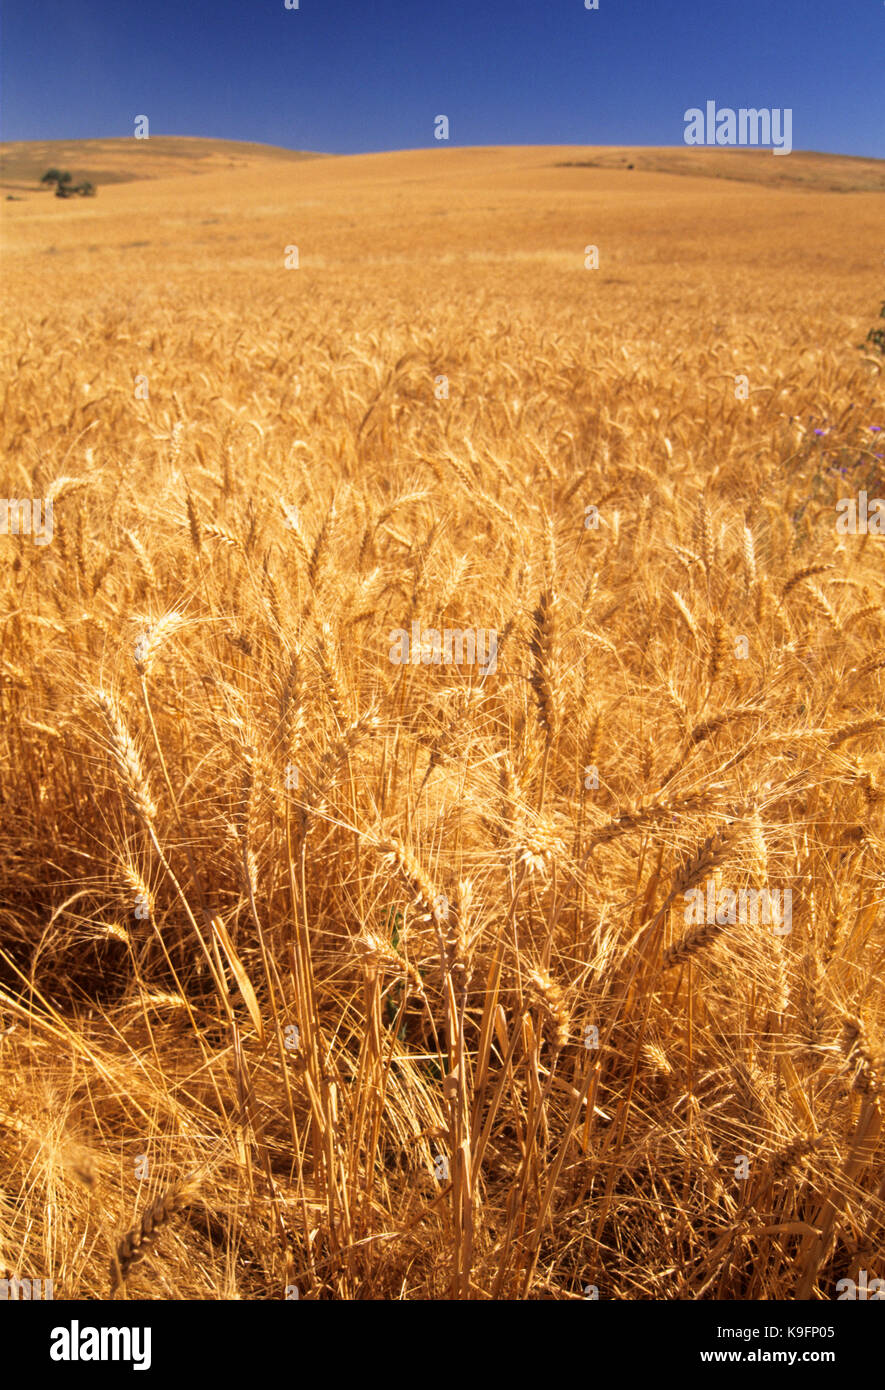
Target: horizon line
[{"x": 441, "y": 145}]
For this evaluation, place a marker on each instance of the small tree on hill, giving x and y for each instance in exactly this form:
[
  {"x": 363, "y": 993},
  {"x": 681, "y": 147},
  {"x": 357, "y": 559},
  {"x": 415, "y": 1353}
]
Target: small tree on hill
[
  {"x": 59, "y": 177},
  {"x": 64, "y": 188}
]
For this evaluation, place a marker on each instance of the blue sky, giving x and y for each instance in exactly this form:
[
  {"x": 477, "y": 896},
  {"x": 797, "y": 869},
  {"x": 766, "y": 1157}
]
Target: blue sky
[{"x": 347, "y": 76}]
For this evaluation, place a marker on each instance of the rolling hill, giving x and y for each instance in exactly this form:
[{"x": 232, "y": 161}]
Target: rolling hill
[{"x": 124, "y": 160}]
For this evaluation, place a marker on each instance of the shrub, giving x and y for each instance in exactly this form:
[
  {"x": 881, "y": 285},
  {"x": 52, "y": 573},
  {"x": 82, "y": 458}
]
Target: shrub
[{"x": 876, "y": 336}]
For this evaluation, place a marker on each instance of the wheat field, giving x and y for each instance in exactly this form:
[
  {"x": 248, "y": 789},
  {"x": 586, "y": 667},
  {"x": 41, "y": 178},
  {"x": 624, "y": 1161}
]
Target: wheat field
[{"x": 328, "y": 975}]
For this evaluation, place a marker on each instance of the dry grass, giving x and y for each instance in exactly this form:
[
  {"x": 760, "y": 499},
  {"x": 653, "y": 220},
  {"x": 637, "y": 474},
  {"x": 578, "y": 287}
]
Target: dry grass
[
  {"x": 124, "y": 159},
  {"x": 314, "y": 942}
]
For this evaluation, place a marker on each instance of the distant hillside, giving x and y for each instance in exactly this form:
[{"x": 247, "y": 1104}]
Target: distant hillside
[
  {"x": 833, "y": 173},
  {"x": 125, "y": 160}
]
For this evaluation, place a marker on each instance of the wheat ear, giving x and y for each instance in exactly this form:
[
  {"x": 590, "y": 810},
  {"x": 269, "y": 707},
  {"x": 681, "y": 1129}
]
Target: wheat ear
[
  {"x": 140, "y": 1239},
  {"x": 127, "y": 759}
]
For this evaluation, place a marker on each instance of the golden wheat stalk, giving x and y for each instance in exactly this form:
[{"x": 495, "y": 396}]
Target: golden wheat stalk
[
  {"x": 141, "y": 1238},
  {"x": 543, "y": 652},
  {"x": 127, "y": 759},
  {"x": 151, "y": 642},
  {"x": 554, "y": 1009}
]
